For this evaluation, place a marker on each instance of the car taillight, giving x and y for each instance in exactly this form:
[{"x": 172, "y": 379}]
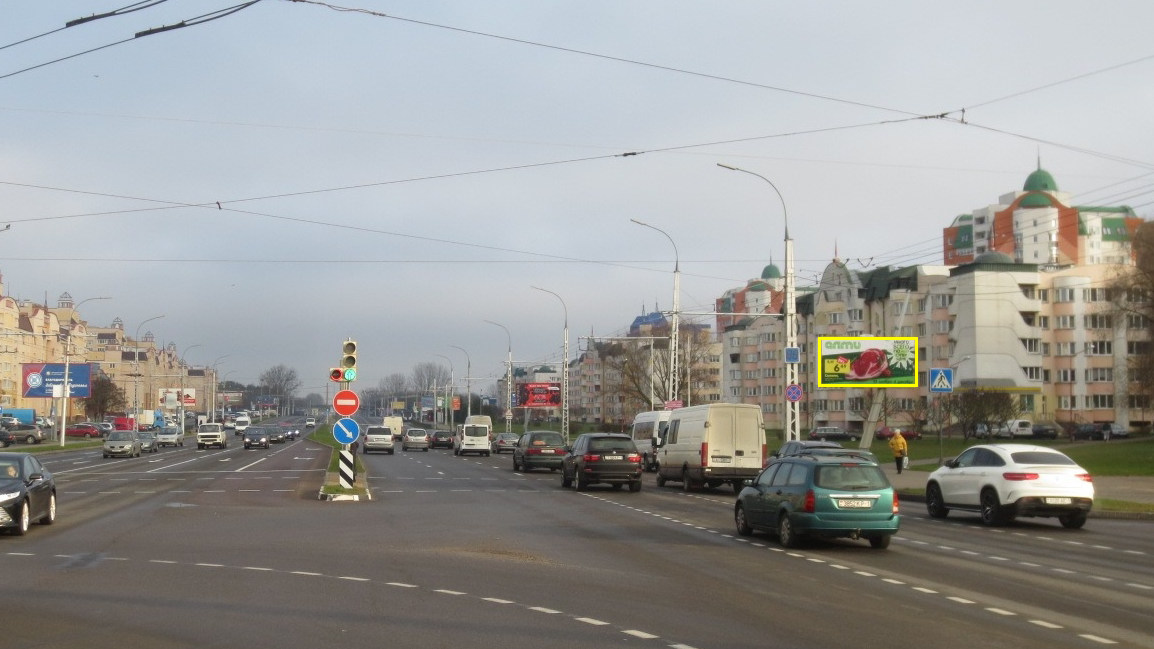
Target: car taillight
[
  {"x": 1085, "y": 477},
  {"x": 589, "y": 457},
  {"x": 895, "y": 503},
  {"x": 1020, "y": 476},
  {"x": 634, "y": 458},
  {"x": 704, "y": 454},
  {"x": 810, "y": 502},
  {"x": 533, "y": 451}
]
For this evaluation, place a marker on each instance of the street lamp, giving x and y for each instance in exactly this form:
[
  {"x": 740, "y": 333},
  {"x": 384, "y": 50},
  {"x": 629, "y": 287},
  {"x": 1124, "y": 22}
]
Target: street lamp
[
  {"x": 451, "y": 419},
  {"x": 67, "y": 383},
  {"x": 468, "y": 381},
  {"x": 136, "y": 372},
  {"x": 673, "y": 370},
  {"x": 508, "y": 380},
  {"x": 224, "y": 400},
  {"x": 565, "y": 367},
  {"x": 183, "y": 371},
  {"x": 792, "y": 408},
  {"x": 212, "y": 393}
]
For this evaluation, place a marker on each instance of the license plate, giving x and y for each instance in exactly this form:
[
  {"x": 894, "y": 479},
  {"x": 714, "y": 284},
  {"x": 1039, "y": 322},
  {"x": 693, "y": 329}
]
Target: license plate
[
  {"x": 854, "y": 504},
  {"x": 611, "y": 457},
  {"x": 547, "y": 451},
  {"x": 1059, "y": 501},
  {"x": 721, "y": 460}
]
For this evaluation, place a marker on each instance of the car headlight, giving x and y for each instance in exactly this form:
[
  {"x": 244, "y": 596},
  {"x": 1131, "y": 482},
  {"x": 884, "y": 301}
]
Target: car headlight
[{"x": 11, "y": 495}]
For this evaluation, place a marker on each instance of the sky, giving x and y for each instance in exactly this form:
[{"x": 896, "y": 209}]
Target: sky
[{"x": 281, "y": 178}]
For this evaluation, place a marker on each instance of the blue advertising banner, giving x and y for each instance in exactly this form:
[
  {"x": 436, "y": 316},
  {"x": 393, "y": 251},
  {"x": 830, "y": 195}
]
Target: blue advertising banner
[{"x": 38, "y": 379}]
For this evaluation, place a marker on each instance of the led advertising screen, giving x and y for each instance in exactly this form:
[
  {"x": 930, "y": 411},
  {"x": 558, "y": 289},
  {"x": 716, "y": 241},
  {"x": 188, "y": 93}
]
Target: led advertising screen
[
  {"x": 867, "y": 362},
  {"x": 539, "y": 395}
]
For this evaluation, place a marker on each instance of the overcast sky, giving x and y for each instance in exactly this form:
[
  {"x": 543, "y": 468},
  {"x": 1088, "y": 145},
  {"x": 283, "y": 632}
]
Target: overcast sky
[{"x": 400, "y": 178}]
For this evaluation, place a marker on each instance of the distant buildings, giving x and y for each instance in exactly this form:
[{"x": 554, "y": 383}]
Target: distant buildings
[{"x": 1022, "y": 308}]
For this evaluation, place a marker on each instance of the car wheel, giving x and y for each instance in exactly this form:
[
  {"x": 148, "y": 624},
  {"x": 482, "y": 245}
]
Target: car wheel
[
  {"x": 1073, "y": 521},
  {"x": 486, "y": 453},
  {"x": 200, "y": 447},
  {"x": 617, "y": 486},
  {"x": 24, "y": 521},
  {"x": 635, "y": 487},
  {"x": 87, "y": 435},
  {"x": 935, "y": 504},
  {"x": 660, "y": 480},
  {"x": 686, "y": 485},
  {"x": 880, "y": 542},
  {"x": 105, "y": 455},
  {"x": 737, "y": 486},
  {"x": 30, "y": 439},
  {"x": 578, "y": 481},
  {"x": 516, "y": 466},
  {"x": 50, "y": 517},
  {"x": 991, "y": 508},
  {"x": 853, "y": 438},
  {"x": 743, "y": 527},
  {"x": 565, "y": 481},
  {"x": 786, "y": 534}
]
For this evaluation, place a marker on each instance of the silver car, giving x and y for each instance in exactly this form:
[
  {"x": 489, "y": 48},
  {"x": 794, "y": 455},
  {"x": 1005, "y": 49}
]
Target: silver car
[
  {"x": 378, "y": 438},
  {"x": 123, "y": 443},
  {"x": 416, "y": 438}
]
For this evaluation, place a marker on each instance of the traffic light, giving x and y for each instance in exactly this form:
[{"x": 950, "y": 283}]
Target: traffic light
[
  {"x": 336, "y": 374},
  {"x": 349, "y": 360}
]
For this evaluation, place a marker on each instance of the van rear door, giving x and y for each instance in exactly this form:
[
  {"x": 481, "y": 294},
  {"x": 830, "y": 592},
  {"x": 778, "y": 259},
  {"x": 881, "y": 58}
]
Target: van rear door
[{"x": 749, "y": 440}]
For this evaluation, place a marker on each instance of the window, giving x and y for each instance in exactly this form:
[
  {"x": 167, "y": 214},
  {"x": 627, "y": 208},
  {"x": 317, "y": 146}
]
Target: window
[
  {"x": 1097, "y": 294},
  {"x": 1138, "y": 347},
  {"x": 1067, "y": 376},
  {"x": 857, "y": 404},
  {"x": 922, "y": 329},
  {"x": 921, "y": 305},
  {"x": 855, "y": 315},
  {"x": 1033, "y": 373},
  {"x": 1063, "y": 295},
  {"x": 1099, "y": 401},
  {"x": 1064, "y": 349},
  {"x": 1064, "y": 322},
  {"x": 1099, "y": 348},
  {"x": 1099, "y": 321},
  {"x": 1031, "y": 345},
  {"x": 945, "y": 326},
  {"x": 1140, "y": 401},
  {"x": 1137, "y": 321},
  {"x": 1043, "y": 322},
  {"x": 1043, "y": 295},
  {"x": 1100, "y": 374}
]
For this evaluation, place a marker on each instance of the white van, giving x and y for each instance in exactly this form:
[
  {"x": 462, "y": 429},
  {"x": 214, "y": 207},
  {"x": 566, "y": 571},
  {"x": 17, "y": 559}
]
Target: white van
[
  {"x": 473, "y": 436},
  {"x": 712, "y": 444},
  {"x": 1016, "y": 428},
  {"x": 395, "y": 424},
  {"x": 648, "y": 430},
  {"x": 241, "y": 423}
]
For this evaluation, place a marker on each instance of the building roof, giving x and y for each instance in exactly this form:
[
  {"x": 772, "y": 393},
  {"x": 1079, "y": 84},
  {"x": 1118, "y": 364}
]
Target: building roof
[{"x": 771, "y": 272}]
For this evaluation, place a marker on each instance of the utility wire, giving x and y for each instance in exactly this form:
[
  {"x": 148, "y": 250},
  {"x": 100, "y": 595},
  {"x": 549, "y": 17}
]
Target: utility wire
[
  {"x": 1058, "y": 83},
  {"x": 145, "y": 4}
]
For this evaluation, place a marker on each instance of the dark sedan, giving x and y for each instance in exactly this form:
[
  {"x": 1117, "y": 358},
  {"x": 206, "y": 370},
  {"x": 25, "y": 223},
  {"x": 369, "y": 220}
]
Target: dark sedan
[
  {"x": 275, "y": 435},
  {"x": 27, "y": 493},
  {"x": 6, "y": 438},
  {"x": 256, "y": 438},
  {"x": 604, "y": 458},
  {"x": 441, "y": 439},
  {"x": 539, "y": 449}
]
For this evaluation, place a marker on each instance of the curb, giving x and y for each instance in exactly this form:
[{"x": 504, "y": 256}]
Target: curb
[{"x": 1094, "y": 513}]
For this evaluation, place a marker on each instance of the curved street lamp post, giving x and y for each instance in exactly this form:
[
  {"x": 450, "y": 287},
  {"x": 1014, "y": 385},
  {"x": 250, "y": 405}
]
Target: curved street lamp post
[
  {"x": 564, "y": 368},
  {"x": 67, "y": 393},
  {"x": 508, "y": 379}
]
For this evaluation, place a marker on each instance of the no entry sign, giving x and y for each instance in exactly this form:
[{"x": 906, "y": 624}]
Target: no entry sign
[{"x": 346, "y": 402}]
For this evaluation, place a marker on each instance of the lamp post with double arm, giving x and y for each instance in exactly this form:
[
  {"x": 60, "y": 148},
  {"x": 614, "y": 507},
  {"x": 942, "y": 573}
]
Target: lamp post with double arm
[{"x": 508, "y": 379}]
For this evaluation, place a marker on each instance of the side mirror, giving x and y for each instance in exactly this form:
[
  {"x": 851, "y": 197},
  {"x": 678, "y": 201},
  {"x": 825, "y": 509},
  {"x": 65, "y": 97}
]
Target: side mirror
[
  {"x": 951, "y": 464},
  {"x": 748, "y": 482}
]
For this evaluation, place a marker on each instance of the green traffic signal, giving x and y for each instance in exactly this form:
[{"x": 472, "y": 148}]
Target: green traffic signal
[{"x": 351, "y": 374}]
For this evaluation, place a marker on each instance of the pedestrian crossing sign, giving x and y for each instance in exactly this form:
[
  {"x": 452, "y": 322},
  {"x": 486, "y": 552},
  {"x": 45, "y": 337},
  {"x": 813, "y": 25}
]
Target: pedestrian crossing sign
[{"x": 941, "y": 379}]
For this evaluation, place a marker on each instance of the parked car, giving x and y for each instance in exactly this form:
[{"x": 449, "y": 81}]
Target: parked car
[
  {"x": 121, "y": 442},
  {"x": 6, "y": 438},
  {"x": 602, "y": 458},
  {"x": 105, "y": 427},
  {"x": 539, "y": 449},
  {"x": 813, "y": 496},
  {"x": 27, "y": 493},
  {"x": 27, "y": 433},
  {"x": 148, "y": 442},
  {"x": 827, "y": 433},
  {"x": 504, "y": 442},
  {"x": 1045, "y": 430},
  {"x": 441, "y": 439},
  {"x": 808, "y": 447},
  {"x": 85, "y": 429},
  {"x": 885, "y": 432},
  {"x": 255, "y": 437},
  {"x": 1088, "y": 431},
  {"x": 1004, "y": 481},
  {"x": 170, "y": 436},
  {"x": 7, "y": 421},
  {"x": 379, "y": 438},
  {"x": 415, "y": 438}
]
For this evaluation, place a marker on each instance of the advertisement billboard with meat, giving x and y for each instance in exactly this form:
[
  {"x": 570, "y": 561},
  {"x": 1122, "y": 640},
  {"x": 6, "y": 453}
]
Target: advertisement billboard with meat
[
  {"x": 867, "y": 362},
  {"x": 539, "y": 395}
]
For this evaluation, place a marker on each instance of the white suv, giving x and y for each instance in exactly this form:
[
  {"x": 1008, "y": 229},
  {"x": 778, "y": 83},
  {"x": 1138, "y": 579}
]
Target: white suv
[{"x": 379, "y": 438}]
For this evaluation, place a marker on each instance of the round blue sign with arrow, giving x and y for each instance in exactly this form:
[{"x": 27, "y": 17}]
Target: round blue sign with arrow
[{"x": 346, "y": 431}]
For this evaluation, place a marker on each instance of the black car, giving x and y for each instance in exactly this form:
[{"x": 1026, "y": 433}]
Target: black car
[
  {"x": 28, "y": 491},
  {"x": 275, "y": 435},
  {"x": 441, "y": 438},
  {"x": 1088, "y": 431},
  {"x": 602, "y": 458},
  {"x": 1044, "y": 430},
  {"x": 7, "y": 438},
  {"x": 539, "y": 449},
  {"x": 825, "y": 433},
  {"x": 256, "y": 437}
]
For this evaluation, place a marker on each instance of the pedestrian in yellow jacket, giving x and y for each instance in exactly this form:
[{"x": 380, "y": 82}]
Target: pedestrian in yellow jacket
[{"x": 900, "y": 449}]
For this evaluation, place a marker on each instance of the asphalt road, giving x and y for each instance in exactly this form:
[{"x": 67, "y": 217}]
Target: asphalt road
[{"x": 231, "y": 548}]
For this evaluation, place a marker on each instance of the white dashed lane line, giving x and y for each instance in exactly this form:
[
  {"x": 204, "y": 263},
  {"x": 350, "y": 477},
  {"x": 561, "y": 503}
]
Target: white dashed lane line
[{"x": 888, "y": 580}]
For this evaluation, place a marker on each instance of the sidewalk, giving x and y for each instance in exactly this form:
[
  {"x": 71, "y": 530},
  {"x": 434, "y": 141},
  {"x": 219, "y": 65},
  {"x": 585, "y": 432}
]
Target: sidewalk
[{"x": 1129, "y": 489}]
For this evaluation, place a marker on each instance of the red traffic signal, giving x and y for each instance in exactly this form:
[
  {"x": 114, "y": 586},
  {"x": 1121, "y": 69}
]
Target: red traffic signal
[{"x": 336, "y": 374}]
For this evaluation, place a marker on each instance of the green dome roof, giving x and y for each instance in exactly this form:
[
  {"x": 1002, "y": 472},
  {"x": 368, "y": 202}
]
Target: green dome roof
[
  {"x": 993, "y": 257},
  {"x": 1040, "y": 181},
  {"x": 771, "y": 272}
]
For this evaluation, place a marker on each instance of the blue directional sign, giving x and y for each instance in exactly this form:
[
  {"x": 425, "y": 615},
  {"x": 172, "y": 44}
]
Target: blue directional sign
[
  {"x": 346, "y": 431},
  {"x": 793, "y": 355},
  {"x": 941, "y": 379}
]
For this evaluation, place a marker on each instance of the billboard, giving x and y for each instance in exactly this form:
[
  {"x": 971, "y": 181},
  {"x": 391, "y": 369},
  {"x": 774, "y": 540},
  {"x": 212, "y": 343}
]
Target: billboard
[
  {"x": 39, "y": 378},
  {"x": 171, "y": 397},
  {"x": 867, "y": 362},
  {"x": 539, "y": 395}
]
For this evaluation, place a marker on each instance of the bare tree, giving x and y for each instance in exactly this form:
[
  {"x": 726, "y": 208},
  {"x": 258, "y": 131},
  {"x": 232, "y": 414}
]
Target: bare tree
[
  {"x": 990, "y": 408},
  {"x": 427, "y": 375},
  {"x": 281, "y": 381},
  {"x": 643, "y": 368},
  {"x": 1132, "y": 298},
  {"x": 394, "y": 385}
]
